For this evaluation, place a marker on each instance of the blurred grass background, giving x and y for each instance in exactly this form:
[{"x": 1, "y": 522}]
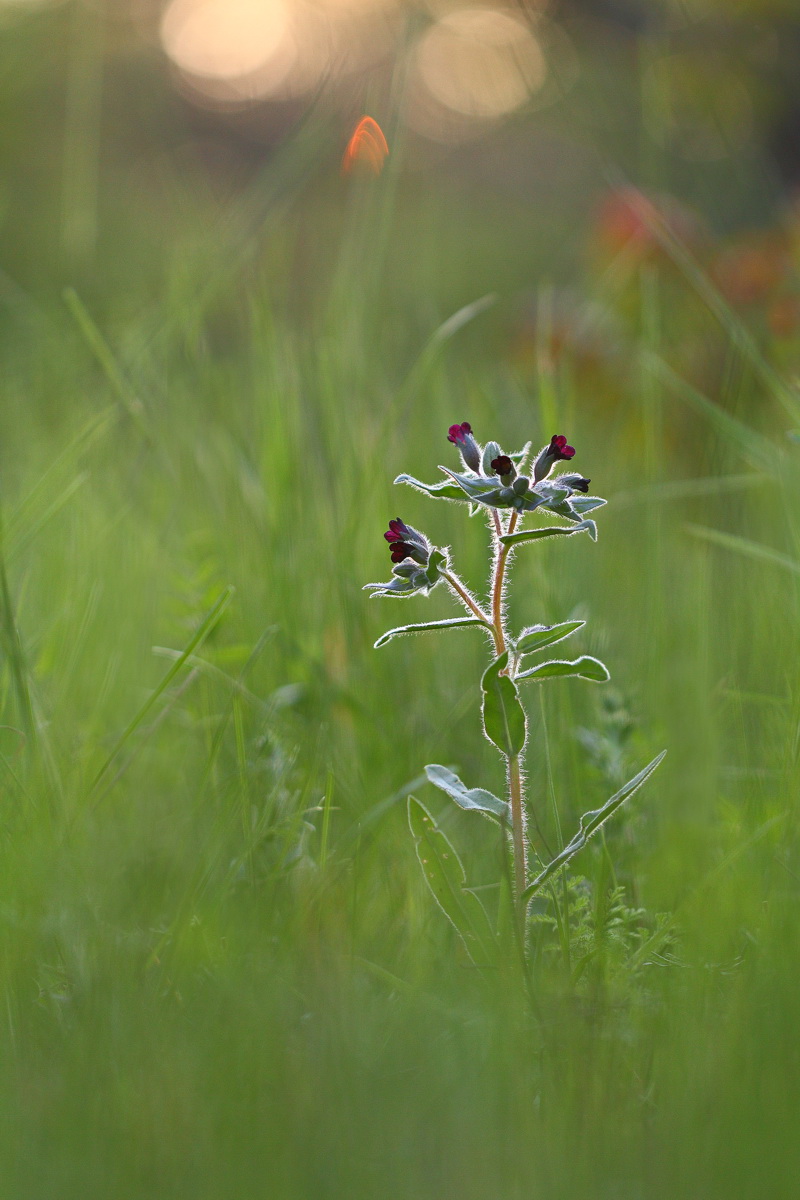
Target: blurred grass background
[{"x": 222, "y": 975}]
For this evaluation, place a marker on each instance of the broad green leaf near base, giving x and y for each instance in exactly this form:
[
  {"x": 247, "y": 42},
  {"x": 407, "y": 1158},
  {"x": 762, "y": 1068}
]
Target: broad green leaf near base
[
  {"x": 585, "y": 667},
  {"x": 429, "y": 627},
  {"x": 590, "y": 823},
  {"x": 444, "y": 875},
  {"x": 470, "y": 799},
  {"x": 503, "y": 715}
]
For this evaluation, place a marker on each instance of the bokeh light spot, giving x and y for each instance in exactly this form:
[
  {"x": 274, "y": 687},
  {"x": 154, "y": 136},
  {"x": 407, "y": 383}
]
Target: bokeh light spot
[
  {"x": 223, "y": 39},
  {"x": 481, "y": 63}
]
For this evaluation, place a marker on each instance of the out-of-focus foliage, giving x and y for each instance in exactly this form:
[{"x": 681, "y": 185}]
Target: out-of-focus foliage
[{"x": 221, "y": 973}]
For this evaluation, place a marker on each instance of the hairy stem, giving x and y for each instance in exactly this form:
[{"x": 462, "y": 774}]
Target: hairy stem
[
  {"x": 517, "y": 827},
  {"x": 514, "y": 768},
  {"x": 501, "y": 558},
  {"x": 464, "y": 594}
]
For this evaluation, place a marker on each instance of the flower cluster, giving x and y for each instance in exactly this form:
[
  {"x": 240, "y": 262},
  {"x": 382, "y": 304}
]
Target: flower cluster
[
  {"x": 494, "y": 480},
  {"x": 416, "y": 563}
]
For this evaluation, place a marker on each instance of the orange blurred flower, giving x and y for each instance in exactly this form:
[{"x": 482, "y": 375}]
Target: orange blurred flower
[
  {"x": 628, "y": 219},
  {"x": 750, "y": 270},
  {"x": 366, "y": 149}
]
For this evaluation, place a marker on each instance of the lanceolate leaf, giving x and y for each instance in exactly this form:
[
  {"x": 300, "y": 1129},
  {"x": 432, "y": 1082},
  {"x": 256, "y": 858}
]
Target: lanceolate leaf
[
  {"x": 585, "y": 504},
  {"x": 471, "y": 799},
  {"x": 534, "y": 535},
  {"x": 443, "y": 490},
  {"x": 475, "y": 486},
  {"x": 585, "y": 666},
  {"x": 503, "y": 715},
  {"x": 444, "y": 874},
  {"x": 590, "y": 823},
  {"x": 429, "y": 627},
  {"x": 540, "y": 636}
]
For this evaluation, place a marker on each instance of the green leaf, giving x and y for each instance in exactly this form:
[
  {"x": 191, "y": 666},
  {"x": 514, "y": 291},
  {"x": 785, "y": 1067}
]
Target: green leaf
[
  {"x": 586, "y": 667},
  {"x": 590, "y": 823},
  {"x": 520, "y": 455},
  {"x": 444, "y": 875},
  {"x": 436, "y": 560},
  {"x": 395, "y": 587},
  {"x": 471, "y": 799},
  {"x": 429, "y": 627},
  {"x": 503, "y": 715},
  {"x": 585, "y": 504},
  {"x": 484, "y": 491},
  {"x": 539, "y": 636},
  {"x": 533, "y": 535},
  {"x": 443, "y": 490}
]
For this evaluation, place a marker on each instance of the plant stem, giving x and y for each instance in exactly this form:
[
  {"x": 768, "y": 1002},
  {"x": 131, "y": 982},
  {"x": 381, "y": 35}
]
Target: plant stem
[
  {"x": 501, "y": 557},
  {"x": 517, "y": 827},
  {"x": 463, "y": 593},
  {"x": 514, "y": 768}
]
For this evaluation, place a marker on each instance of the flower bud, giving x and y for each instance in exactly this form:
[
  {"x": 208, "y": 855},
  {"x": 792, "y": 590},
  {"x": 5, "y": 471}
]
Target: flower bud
[
  {"x": 406, "y": 542},
  {"x": 521, "y": 485},
  {"x": 576, "y": 482},
  {"x": 461, "y": 436},
  {"x": 557, "y": 451}
]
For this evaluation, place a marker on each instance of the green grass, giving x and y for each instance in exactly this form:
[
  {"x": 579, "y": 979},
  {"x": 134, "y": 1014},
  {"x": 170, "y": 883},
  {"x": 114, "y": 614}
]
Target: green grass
[{"x": 221, "y": 973}]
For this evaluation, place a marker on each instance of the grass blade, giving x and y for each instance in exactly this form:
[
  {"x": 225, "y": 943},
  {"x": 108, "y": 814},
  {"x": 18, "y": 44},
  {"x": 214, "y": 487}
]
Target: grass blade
[
  {"x": 206, "y": 627},
  {"x": 740, "y": 545}
]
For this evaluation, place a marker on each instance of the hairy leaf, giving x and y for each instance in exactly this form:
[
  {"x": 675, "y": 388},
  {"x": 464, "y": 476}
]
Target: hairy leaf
[
  {"x": 539, "y": 636},
  {"x": 586, "y": 667},
  {"x": 471, "y": 799},
  {"x": 429, "y": 627},
  {"x": 484, "y": 491},
  {"x": 585, "y": 504},
  {"x": 534, "y": 535},
  {"x": 590, "y": 823},
  {"x": 503, "y": 715},
  {"x": 442, "y": 490},
  {"x": 444, "y": 875}
]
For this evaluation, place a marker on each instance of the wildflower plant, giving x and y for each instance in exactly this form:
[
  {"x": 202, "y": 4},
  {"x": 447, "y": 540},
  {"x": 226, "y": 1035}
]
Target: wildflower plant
[{"x": 499, "y": 485}]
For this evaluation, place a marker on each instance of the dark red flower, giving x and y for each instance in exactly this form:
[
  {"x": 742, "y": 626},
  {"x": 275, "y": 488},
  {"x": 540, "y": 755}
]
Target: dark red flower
[
  {"x": 397, "y": 531},
  {"x": 405, "y": 542},
  {"x": 457, "y": 434},
  {"x": 557, "y": 451},
  {"x": 558, "y": 448},
  {"x": 461, "y": 436},
  {"x": 502, "y": 465}
]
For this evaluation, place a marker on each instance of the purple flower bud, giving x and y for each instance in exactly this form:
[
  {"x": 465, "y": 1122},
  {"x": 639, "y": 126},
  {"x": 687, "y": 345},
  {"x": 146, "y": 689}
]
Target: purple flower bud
[
  {"x": 397, "y": 531},
  {"x": 461, "y": 436},
  {"x": 557, "y": 451},
  {"x": 406, "y": 542}
]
